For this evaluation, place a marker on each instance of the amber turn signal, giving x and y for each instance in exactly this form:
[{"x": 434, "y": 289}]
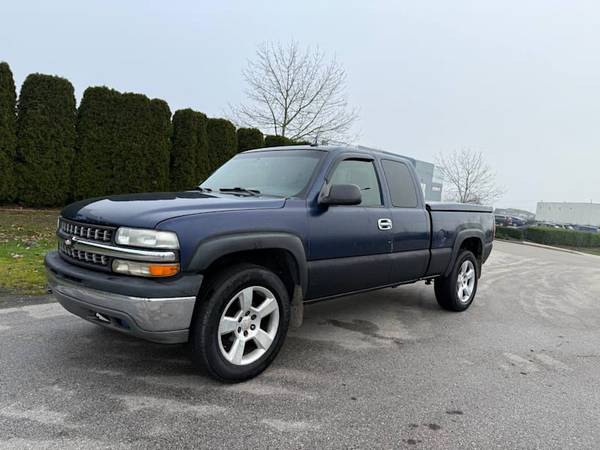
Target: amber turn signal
[
  {"x": 163, "y": 270},
  {"x": 143, "y": 269}
]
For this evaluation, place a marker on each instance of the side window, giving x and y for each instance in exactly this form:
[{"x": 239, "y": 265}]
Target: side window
[
  {"x": 361, "y": 173},
  {"x": 400, "y": 182}
]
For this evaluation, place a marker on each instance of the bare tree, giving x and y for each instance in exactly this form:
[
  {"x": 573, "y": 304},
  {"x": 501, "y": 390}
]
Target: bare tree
[
  {"x": 295, "y": 93},
  {"x": 467, "y": 178}
]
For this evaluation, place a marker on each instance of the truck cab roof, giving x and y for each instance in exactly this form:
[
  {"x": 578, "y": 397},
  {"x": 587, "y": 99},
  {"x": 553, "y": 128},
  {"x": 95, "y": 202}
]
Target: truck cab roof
[{"x": 334, "y": 149}]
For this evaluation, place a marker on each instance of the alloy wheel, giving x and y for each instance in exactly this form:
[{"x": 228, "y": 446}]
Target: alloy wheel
[
  {"x": 248, "y": 325},
  {"x": 466, "y": 281}
]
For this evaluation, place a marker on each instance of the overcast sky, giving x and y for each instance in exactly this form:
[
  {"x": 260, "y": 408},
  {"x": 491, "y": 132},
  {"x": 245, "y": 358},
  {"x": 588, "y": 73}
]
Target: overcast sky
[{"x": 517, "y": 80}]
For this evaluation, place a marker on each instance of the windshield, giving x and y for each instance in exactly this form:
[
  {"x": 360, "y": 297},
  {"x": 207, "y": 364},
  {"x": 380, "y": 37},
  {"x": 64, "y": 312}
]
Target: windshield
[{"x": 282, "y": 173}]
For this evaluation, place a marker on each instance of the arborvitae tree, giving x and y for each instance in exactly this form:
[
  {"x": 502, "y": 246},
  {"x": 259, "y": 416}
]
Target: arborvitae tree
[
  {"x": 222, "y": 142},
  {"x": 189, "y": 152},
  {"x": 45, "y": 140},
  {"x": 98, "y": 128},
  {"x": 144, "y": 139},
  {"x": 130, "y": 163},
  {"x": 123, "y": 144},
  {"x": 160, "y": 145},
  {"x": 249, "y": 138},
  {"x": 8, "y": 134},
  {"x": 276, "y": 141}
]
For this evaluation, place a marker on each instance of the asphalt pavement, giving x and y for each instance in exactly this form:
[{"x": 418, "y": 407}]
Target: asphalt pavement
[{"x": 387, "y": 369}]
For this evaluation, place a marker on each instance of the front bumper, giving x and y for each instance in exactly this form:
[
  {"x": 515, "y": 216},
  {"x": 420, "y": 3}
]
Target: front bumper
[{"x": 164, "y": 319}]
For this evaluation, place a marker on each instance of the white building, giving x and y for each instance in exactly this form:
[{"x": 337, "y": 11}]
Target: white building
[{"x": 569, "y": 213}]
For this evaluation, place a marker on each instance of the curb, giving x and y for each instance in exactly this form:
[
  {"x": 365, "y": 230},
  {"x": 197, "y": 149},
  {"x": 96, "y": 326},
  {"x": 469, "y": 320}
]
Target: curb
[{"x": 547, "y": 247}]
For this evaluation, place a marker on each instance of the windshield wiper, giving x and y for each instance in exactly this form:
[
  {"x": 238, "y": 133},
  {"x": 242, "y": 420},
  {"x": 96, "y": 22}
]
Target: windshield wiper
[
  {"x": 252, "y": 192},
  {"x": 203, "y": 189}
]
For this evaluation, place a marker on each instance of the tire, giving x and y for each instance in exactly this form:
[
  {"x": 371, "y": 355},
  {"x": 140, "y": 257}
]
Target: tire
[
  {"x": 447, "y": 291},
  {"x": 241, "y": 309}
]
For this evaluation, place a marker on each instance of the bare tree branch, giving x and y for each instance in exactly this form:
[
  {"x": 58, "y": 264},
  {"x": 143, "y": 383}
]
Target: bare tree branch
[
  {"x": 295, "y": 93},
  {"x": 467, "y": 178}
]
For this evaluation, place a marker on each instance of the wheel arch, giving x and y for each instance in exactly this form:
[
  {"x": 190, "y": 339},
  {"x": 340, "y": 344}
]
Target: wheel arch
[
  {"x": 467, "y": 239},
  {"x": 280, "y": 252}
]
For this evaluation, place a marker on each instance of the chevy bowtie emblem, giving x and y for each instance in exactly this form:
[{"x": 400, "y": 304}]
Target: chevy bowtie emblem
[{"x": 68, "y": 242}]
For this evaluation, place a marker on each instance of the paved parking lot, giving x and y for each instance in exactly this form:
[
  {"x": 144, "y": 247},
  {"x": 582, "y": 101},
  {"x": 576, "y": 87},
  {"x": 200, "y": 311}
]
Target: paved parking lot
[{"x": 388, "y": 369}]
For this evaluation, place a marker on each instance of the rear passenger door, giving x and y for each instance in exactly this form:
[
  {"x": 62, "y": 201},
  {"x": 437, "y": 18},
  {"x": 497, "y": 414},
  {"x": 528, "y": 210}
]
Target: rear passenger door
[
  {"x": 411, "y": 227},
  {"x": 348, "y": 250}
]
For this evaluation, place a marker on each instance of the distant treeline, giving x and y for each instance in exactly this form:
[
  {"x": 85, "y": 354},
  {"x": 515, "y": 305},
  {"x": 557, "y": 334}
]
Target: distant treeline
[{"x": 52, "y": 152}]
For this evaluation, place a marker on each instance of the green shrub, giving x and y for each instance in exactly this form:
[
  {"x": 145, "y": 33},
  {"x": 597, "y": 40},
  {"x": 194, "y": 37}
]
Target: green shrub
[
  {"x": 560, "y": 237},
  {"x": 249, "y": 138},
  {"x": 279, "y": 141},
  {"x": 45, "y": 140},
  {"x": 124, "y": 144},
  {"x": 189, "y": 152},
  {"x": 222, "y": 143},
  {"x": 159, "y": 147},
  {"x": 98, "y": 133},
  {"x": 8, "y": 133},
  {"x": 142, "y": 162},
  {"x": 550, "y": 236},
  {"x": 509, "y": 233}
]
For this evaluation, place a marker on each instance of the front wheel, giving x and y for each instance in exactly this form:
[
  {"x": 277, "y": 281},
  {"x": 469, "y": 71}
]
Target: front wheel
[
  {"x": 457, "y": 291},
  {"x": 240, "y": 323}
]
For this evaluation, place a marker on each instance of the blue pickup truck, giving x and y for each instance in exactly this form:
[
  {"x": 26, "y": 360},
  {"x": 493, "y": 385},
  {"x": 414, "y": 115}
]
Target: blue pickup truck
[{"x": 229, "y": 265}]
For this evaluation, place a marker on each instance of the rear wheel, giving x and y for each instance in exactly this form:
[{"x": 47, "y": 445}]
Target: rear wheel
[
  {"x": 240, "y": 323},
  {"x": 457, "y": 291}
]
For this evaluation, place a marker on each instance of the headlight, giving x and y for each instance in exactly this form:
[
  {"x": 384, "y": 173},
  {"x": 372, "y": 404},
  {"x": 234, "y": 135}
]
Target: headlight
[
  {"x": 142, "y": 269},
  {"x": 137, "y": 237}
]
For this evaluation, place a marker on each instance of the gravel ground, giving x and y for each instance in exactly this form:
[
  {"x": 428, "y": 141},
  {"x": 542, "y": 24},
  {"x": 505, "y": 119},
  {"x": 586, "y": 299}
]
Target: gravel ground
[{"x": 386, "y": 369}]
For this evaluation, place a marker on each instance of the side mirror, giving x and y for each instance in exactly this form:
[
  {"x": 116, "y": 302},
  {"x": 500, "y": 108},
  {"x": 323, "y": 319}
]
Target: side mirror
[{"x": 340, "y": 194}]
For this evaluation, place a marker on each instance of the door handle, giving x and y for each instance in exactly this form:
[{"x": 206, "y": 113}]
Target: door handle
[{"x": 384, "y": 224}]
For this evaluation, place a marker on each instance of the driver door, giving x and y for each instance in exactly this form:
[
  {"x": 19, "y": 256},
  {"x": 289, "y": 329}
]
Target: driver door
[{"x": 349, "y": 250}]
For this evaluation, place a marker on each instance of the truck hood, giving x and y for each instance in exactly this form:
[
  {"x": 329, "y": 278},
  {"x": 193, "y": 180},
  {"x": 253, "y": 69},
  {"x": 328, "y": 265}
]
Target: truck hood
[{"x": 147, "y": 210}]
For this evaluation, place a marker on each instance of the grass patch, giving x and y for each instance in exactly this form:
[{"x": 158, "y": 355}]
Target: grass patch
[{"x": 26, "y": 236}]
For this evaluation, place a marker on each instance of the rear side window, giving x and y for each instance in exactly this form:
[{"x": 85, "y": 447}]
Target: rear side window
[
  {"x": 361, "y": 173},
  {"x": 400, "y": 182}
]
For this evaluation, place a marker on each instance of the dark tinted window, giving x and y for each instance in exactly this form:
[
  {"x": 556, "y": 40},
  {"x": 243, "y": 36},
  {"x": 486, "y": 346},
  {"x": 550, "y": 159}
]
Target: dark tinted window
[
  {"x": 400, "y": 182},
  {"x": 361, "y": 173}
]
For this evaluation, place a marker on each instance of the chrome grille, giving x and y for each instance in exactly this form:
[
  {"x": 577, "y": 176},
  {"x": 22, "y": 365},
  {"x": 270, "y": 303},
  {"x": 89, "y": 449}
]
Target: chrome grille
[
  {"x": 85, "y": 257},
  {"x": 92, "y": 232}
]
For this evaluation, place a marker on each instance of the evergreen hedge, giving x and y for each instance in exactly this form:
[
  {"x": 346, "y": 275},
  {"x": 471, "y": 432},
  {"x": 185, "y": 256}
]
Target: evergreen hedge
[
  {"x": 222, "y": 143},
  {"x": 143, "y": 146},
  {"x": 249, "y": 138},
  {"x": 189, "y": 151},
  {"x": 551, "y": 236},
  {"x": 8, "y": 133},
  {"x": 568, "y": 238},
  {"x": 159, "y": 146},
  {"x": 98, "y": 129},
  {"x": 45, "y": 140},
  {"x": 124, "y": 143},
  {"x": 510, "y": 233},
  {"x": 278, "y": 141}
]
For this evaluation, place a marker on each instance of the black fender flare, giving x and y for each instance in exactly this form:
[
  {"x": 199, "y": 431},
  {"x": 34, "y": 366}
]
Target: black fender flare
[
  {"x": 458, "y": 241},
  {"x": 210, "y": 250}
]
